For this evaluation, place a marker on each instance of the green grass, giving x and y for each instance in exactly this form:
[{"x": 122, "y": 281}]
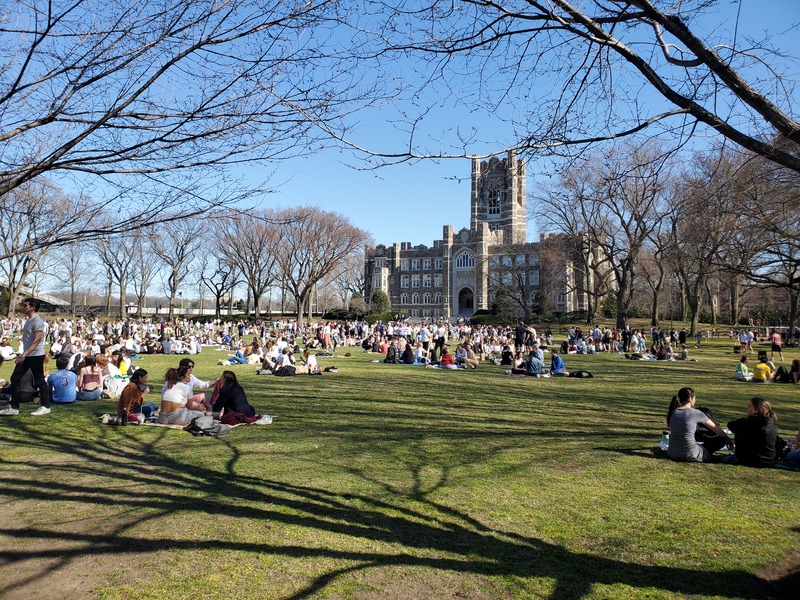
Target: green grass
[{"x": 390, "y": 481}]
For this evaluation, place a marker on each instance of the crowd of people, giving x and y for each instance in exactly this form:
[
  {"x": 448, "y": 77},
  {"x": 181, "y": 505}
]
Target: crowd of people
[{"x": 90, "y": 356}]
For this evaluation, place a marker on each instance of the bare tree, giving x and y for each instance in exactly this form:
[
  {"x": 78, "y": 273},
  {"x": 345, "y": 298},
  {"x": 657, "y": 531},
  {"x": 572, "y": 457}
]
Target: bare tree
[
  {"x": 583, "y": 72},
  {"x": 313, "y": 245},
  {"x": 176, "y": 245},
  {"x": 74, "y": 260},
  {"x": 117, "y": 254},
  {"x": 622, "y": 200},
  {"x": 164, "y": 94},
  {"x": 253, "y": 241},
  {"x": 144, "y": 267},
  {"x": 220, "y": 275},
  {"x": 28, "y": 213}
]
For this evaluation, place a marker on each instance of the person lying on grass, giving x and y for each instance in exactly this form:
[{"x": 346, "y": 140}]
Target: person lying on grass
[
  {"x": 176, "y": 397},
  {"x": 684, "y": 420}
]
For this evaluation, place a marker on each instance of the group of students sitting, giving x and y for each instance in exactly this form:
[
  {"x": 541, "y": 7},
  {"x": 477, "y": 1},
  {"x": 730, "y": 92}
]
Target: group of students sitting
[
  {"x": 403, "y": 352},
  {"x": 179, "y": 404},
  {"x": 766, "y": 372},
  {"x": 533, "y": 365},
  {"x": 694, "y": 434}
]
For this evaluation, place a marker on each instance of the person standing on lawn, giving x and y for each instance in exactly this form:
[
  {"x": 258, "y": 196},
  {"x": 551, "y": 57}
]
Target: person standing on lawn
[{"x": 30, "y": 359}]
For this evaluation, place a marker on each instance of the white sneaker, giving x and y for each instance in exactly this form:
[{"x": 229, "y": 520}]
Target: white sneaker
[
  {"x": 9, "y": 411},
  {"x": 42, "y": 410}
]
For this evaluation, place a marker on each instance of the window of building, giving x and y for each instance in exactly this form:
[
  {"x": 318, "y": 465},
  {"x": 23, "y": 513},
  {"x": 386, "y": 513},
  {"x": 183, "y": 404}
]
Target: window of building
[
  {"x": 404, "y": 264},
  {"x": 507, "y": 278},
  {"x": 403, "y": 281},
  {"x": 494, "y": 261},
  {"x": 415, "y": 265},
  {"x": 533, "y": 277},
  {"x": 426, "y": 298},
  {"x": 426, "y": 280},
  {"x": 494, "y": 226},
  {"x": 437, "y": 264},
  {"x": 376, "y": 282},
  {"x": 437, "y": 281},
  {"x": 495, "y": 202},
  {"x": 426, "y": 312},
  {"x": 414, "y": 312},
  {"x": 520, "y": 259},
  {"x": 533, "y": 261},
  {"x": 403, "y": 298},
  {"x": 415, "y": 298},
  {"x": 380, "y": 263},
  {"x": 562, "y": 298},
  {"x": 415, "y": 281},
  {"x": 506, "y": 261},
  {"x": 426, "y": 264},
  {"x": 465, "y": 260},
  {"x": 437, "y": 298}
]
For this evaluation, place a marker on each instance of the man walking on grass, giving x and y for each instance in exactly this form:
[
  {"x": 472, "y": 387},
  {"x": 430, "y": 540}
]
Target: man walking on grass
[{"x": 31, "y": 359}]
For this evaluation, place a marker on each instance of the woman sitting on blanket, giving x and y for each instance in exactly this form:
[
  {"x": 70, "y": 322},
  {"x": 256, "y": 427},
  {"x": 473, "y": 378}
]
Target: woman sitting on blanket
[
  {"x": 130, "y": 400},
  {"x": 232, "y": 397},
  {"x": 175, "y": 396}
]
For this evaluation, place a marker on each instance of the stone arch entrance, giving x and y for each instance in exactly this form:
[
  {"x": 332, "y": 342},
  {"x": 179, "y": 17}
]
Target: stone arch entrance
[{"x": 466, "y": 303}]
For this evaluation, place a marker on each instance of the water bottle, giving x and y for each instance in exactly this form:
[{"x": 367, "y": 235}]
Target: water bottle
[{"x": 664, "y": 443}]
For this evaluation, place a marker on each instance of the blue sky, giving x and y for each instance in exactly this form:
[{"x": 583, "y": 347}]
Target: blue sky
[{"x": 411, "y": 202}]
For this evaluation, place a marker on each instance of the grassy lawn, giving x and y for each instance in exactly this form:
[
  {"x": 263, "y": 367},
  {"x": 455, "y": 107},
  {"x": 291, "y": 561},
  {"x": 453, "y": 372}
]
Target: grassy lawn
[{"x": 387, "y": 481}]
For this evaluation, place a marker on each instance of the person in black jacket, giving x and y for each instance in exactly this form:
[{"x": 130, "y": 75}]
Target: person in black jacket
[
  {"x": 756, "y": 435},
  {"x": 232, "y": 397}
]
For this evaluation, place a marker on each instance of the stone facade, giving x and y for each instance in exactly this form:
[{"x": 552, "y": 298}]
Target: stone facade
[{"x": 461, "y": 272}]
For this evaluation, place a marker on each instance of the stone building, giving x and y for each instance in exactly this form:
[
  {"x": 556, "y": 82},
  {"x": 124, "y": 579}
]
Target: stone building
[{"x": 462, "y": 272}]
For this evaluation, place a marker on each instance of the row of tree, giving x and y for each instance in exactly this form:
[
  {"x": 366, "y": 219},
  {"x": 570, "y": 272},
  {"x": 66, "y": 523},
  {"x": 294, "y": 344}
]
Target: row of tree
[
  {"x": 226, "y": 253},
  {"x": 646, "y": 221}
]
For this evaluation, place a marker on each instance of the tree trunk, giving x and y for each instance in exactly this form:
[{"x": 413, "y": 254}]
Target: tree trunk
[
  {"x": 734, "y": 302},
  {"x": 122, "y": 298},
  {"x": 654, "y": 309}
]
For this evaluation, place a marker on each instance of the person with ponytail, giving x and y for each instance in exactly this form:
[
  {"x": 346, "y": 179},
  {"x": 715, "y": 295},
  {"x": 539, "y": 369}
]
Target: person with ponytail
[
  {"x": 684, "y": 420},
  {"x": 756, "y": 435}
]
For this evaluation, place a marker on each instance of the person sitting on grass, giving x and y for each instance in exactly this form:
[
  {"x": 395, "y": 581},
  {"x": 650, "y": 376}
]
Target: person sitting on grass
[
  {"x": 533, "y": 366},
  {"x": 446, "y": 361},
  {"x": 756, "y": 435},
  {"x": 742, "y": 372},
  {"x": 683, "y": 420},
  {"x": 391, "y": 354},
  {"x": 793, "y": 457},
  {"x": 557, "y": 366},
  {"x": 90, "y": 380},
  {"x": 232, "y": 397},
  {"x": 470, "y": 360},
  {"x": 763, "y": 372},
  {"x": 63, "y": 384},
  {"x": 130, "y": 400},
  {"x": 175, "y": 397}
]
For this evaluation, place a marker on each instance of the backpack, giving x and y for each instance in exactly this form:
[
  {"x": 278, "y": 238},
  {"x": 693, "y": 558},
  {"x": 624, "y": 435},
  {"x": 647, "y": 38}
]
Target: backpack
[
  {"x": 206, "y": 426},
  {"x": 581, "y": 374}
]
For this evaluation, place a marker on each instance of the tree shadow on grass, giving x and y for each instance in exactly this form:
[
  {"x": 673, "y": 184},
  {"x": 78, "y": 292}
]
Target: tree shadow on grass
[{"x": 142, "y": 477}]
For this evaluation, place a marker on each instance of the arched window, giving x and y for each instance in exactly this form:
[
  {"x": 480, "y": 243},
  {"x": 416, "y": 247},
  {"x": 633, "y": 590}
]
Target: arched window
[
  {"x": 403, "y": 298},
  {"x": 426, "y": 298},
  {"x": 415, "y": 298},
  {"x": 465, "y": 260},
  {"x": 437, "y": 299}
]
